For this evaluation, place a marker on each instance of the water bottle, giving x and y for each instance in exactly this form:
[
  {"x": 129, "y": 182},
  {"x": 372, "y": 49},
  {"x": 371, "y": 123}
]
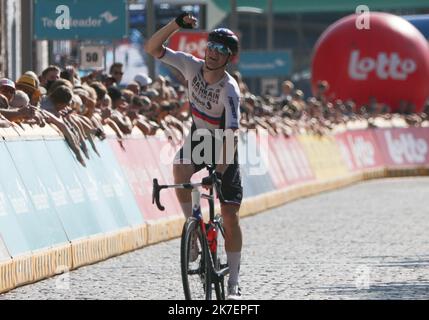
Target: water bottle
[{"x": 212, "y": 237}]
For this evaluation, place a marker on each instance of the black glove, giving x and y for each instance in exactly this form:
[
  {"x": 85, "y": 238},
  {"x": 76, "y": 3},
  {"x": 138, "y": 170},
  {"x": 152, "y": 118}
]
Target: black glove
[
  {"x": 208, "y": 181},
  {"x": 181, "y": 23}
]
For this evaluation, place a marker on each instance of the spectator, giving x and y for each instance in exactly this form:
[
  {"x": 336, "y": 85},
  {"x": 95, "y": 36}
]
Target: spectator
[
  {"x": 58, "y": 83},
  {"x": 14, "y": 114},
  {"x": 134, "y": 87},
  {"x": 61, "y": 98},
  {"x": 7, "y": 88},
  {"x": 30, "y": 86},
  {"x": 117, "y": 72},
  {"x": 20, "y": 100},
  {"x": 241, "y": 84},
  {"x": 322, "y": 87},
  {"x": 119, "y": 107},
  {"x": 34, "y": 76},
  {"x": 49, "y": 76},
  {"x": 4, "y": 123},
  {"x": 144, "y": 81},
  {"x": 287, "y": 90},
  {"x": 4, "y": 103},
  {"x": 70, "y": 74}
]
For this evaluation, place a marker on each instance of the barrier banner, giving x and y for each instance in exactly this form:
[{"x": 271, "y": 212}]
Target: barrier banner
[
  {"x": 403, "y": 147},
  {"x": 44, "y": 173},
  {"x": 293, "y": 161},
  {"x": 140, "y": 167},
  {"x": 84, "y": 189},
  {"x": 66, "y": 168},
  {"x": 122, "y": 197},
  {"x": 253, "y": 153},
  {"x": 276, "y": 164},
  {"x": 4, "y": 253},
  {"x": 324, "y": 156},
  {"x": 163, "y": 153},
  {"x": 12, "y": 240},
  {"x": 137, "y": 177},
  {"x": 29, "y": 196},
  {"x": 99, "y": 176},
  {"x": 359, "y": 150}
]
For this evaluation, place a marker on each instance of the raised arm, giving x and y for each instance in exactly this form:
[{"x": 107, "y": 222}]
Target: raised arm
[{"x": 155, "y": 45}]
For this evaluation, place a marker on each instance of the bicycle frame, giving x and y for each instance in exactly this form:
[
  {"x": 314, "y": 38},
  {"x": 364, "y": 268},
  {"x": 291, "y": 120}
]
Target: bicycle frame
[{"x": 196, "y": 209}]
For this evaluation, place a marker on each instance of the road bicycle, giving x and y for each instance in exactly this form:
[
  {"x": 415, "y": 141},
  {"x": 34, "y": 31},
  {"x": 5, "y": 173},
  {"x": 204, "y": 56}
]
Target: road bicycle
[{"x": 202, "y": 249}]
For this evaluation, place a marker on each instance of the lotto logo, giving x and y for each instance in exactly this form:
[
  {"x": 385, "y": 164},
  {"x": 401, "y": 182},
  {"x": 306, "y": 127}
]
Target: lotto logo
[
  {"x": 406, "y": 148},
  {"x": 385, "y": 66}
]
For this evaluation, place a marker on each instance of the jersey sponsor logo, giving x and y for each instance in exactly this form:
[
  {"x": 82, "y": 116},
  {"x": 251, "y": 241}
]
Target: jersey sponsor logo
[
  {"x": 233, "y": 108},
  {"x": 202, "y": 93}
]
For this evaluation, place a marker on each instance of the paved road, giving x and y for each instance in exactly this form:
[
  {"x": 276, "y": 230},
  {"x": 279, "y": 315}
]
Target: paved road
[{"x": 368, "y": 241}]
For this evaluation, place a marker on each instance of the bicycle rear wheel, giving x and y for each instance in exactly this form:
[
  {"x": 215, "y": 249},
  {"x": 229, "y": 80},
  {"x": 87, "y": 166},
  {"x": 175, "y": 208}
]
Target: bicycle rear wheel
[
  {"x": 195, "y": 272},
  {"x": 220, "y": 259}
]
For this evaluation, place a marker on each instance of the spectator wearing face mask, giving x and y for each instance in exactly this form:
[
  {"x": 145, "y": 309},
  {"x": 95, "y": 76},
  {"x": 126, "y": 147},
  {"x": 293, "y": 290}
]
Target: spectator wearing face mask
[
  {"x": 116, "y": 72},
  {"x": 49, "y": 76}
]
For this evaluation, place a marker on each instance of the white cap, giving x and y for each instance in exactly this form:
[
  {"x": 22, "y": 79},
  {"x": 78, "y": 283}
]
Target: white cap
[
  {"x": 20, "y": 100},
  {"x": 142, "y": 79}
]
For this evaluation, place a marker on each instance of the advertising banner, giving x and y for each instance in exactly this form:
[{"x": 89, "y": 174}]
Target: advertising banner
[
  {"x": 29, "y": 197},
  {"x": 13, "y": 240},
  {"x": 359, "y": 150},
  {"x": 402, "y": 147},
  {"x": 80, "y": 19},
  {"x": 253, "y": 151},
  {"x": 191, "y": 42},
  {"x": 324, "y": 156},
  {"x": 265, "y": 63},
  {"x": 293, "y": 160}
]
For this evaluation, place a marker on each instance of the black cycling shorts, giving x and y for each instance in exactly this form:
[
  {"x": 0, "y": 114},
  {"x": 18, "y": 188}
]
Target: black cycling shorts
[{"x": 232, "y": 189}]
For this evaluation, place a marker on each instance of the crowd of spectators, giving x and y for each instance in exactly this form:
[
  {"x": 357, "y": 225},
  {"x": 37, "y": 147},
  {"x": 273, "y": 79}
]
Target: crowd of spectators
[
  {"x": 291, "y": 113},
  {"x": 82, "y": 108}
]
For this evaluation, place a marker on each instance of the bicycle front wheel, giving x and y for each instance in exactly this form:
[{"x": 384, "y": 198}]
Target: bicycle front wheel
[{"x": 195, "y": 262}]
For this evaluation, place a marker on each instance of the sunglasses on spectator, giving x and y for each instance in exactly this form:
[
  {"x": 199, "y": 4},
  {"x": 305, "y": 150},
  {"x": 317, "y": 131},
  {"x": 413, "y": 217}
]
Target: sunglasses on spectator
[
  {"x": 7, "y": 89},
  {"x": 221, "y": 48},
  {"x": 118, "y": 72}
]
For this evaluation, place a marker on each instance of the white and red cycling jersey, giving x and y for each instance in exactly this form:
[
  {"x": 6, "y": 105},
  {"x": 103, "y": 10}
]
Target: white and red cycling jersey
[{"x": 214, "y": 106}]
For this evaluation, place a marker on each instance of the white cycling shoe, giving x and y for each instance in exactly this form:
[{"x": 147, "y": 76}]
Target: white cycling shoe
[{"x": 234, "y": 292}]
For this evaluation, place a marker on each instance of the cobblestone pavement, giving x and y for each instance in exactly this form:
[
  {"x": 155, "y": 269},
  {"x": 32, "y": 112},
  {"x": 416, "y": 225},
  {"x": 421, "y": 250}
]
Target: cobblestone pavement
[{"x": 368, "y": 241}]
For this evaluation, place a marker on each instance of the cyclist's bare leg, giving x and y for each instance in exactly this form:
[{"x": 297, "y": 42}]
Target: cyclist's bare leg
[
  {"x": 231, "y": 223},
  {"x": 233, "y": 240},
  {"x": 182, "y": 174}
]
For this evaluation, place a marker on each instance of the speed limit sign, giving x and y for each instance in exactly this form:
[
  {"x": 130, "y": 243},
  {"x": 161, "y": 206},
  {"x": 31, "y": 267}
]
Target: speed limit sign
[{"x": 92, "y": 57}]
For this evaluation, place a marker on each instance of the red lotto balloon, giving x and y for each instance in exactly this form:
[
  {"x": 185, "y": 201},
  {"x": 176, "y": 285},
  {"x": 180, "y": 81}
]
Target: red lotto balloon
[{"x": 388, "y": 61}]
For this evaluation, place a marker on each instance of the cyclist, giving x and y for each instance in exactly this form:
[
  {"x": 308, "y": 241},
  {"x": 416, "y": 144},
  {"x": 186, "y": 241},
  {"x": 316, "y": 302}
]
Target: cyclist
[{"x": 214, "y": 98}]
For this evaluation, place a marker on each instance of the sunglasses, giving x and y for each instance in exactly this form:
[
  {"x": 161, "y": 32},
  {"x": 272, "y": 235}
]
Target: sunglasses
[
  {"x": 7, "y": 89},
  {"x": 221, "y": 48}
]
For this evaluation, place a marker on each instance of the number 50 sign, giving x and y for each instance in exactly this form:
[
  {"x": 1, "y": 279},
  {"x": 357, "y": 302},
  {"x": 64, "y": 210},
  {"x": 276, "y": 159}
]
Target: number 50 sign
[{"x": 92, "y": 57}]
